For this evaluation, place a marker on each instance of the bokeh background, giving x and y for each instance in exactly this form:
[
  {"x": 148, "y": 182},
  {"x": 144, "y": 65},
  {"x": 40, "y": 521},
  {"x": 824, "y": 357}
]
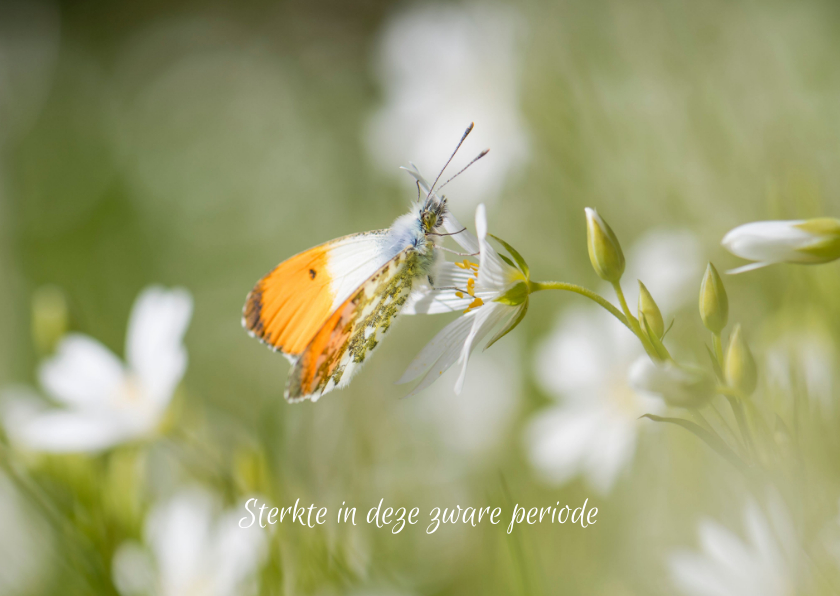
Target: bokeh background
[{"x": 198, "y": 144}]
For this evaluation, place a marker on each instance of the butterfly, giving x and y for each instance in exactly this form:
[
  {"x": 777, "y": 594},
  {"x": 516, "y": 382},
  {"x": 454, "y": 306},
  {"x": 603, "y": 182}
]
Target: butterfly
[{"x": 327, "y": 308}]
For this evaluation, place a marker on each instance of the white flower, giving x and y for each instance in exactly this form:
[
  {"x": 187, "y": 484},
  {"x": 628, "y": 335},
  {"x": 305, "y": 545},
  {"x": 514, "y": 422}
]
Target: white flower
[
  {"x": 800, "y": 241},
  {"x": 594, "y": 429},
  {"x": 191, "y": 550},
  {"x": 769, "y": 563},
  {"x": 106, "y": 402},
  {"x": 583, "y": 364},
  {"x": 479, "y": 287},
  {"x": 442, "y": 67}
]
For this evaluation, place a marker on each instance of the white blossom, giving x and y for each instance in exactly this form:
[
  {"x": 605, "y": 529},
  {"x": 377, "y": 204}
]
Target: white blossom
[
  {"x": 466, "y": 285},
  {"x": 768, "y": 563},
  {"x": 104, "y": 401},
  {"x": 191, "y": 548},
  {"x": 442, "y": 67},
  {"x": 800, "y": 241}
]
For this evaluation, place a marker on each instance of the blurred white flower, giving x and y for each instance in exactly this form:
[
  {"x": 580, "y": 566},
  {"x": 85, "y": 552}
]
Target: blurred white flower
[
  {"x": 584, "y": 363},
  {"x": 106, "y": 402},
  {"x": 479, "y": 286},
  {"x": 802, "y": 241},
  {"x": 25, "y": 544},
  {"x": 191, "y": 549},
  {"x": 769, "y": 563},
  {"x": 442, "y": 67},
  {"x": 593, "y": 430}
]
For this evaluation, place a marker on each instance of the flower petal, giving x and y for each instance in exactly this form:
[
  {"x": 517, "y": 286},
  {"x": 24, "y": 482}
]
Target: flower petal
[
  {"x": 460, "y": 234},
  {"x": 768, "y": 241},
  {"x": 83, "y": 373},
  {"x": 179, "y": 533},
  {"x": 493, "y": 271},
  {"x": 433, "y": 302},
  {"x": 486, "y": 319},
  {"x": 63, "y": 431},
  {"x": 448, "y": 339},
  {"x": 558, "y": 441},
  {"x": 237, "y": 552},
  {"x": 154, "y": 348},
  {"x": 750, "y": 267}
]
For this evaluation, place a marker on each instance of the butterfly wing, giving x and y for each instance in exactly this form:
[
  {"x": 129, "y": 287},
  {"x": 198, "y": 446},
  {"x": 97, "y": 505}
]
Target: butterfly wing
[
  {"x": 288, "y": 307},
  {"x": 353, "y": 330}
]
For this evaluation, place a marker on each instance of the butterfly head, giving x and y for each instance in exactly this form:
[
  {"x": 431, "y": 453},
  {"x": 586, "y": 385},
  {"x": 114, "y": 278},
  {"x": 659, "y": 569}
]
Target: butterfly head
[{"x": 433, "y": 213}]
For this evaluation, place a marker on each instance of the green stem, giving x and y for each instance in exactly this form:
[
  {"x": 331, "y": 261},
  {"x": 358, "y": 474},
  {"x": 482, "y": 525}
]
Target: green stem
[
  {"x": 725, "y": 424},
  {"x": 537, "y": 286},
  {"x": 718, "y": 349},
  {"x": 740, "y": 417}
]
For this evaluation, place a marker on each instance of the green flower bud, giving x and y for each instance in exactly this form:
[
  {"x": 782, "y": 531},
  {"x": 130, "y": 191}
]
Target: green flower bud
[
  {"x": 714, "y": 304},
  {"x": 650, "y": 311},
  {"x": 740, "y": 366},
  {"x": 49, "y": 317},
  {"x": 604, "y": 249}
]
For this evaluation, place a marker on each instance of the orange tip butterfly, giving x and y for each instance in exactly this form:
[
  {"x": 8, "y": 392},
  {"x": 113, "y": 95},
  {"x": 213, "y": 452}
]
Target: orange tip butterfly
[{"x": 327, "y": 308}]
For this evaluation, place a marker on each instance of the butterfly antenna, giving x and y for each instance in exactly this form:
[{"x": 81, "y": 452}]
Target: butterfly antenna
[
  {"x": 461, "y": 142},
  {"x": 464, "y": 169}
]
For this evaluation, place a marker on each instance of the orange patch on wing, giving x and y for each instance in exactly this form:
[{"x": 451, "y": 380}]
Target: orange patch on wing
[
  {"x": 325, "y": 350},
  {"x": 289, "y": 305}
]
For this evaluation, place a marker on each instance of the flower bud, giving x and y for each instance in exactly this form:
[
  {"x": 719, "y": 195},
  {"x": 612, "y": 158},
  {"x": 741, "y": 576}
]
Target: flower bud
[
  {"x": 714, "y": 304},
  {"x": 650, "y": 311},
  {"x": 810, "y": 241},
  {"x": 604, "y": 249},
  {"x": 740, "y": 367},
  {"x": 686, "y": 386},
  {"x": 49, "y": 317}
]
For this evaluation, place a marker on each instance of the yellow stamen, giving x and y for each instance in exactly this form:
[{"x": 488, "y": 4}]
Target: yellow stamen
[
  {"x": 459, "y": 294},
  {"x": 475, "y": 304}
]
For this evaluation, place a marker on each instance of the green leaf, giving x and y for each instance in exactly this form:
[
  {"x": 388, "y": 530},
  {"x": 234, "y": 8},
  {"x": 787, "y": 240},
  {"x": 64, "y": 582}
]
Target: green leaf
[
  {"x": 507, "y": 260},
  {"x": 713, "y": 441},
  {"x": 523, "y": 266},
  {"x": 671, "y": 324},
  {"x": 510, "y": 326},
  {"x": 657, "y": 343}
]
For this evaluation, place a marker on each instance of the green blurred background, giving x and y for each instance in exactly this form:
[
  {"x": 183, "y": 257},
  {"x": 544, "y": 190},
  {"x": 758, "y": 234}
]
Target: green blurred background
[{"x": 198, "y": 144}]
